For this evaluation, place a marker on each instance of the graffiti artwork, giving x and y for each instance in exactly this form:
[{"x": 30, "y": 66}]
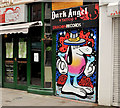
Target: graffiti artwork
[{"x": 76, "y": 64}]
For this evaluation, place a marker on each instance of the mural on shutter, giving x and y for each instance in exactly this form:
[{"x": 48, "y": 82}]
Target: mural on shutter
[{"x": 76, "y": 64}]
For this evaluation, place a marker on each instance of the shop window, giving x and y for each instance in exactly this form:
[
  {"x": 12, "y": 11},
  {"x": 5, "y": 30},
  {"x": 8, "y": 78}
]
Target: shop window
[
  {"x": 35, "y": 36},
  {"x": 48, "y": 63},
  {"x": 47, "y": 21},
  {"x": 9, "y": 47},
  {"x": 22, "y": 48},
  {"x": 35, "y": 12},
  {"x": 8, "y": 58},
  {"x": 22, "y": 60},
  {"x": 22, "y": 73},
  {"x": 9, "y": 72}
]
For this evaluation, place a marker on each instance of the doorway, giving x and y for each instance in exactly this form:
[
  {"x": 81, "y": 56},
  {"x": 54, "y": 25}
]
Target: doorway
[{"x": 15, "y": 61}]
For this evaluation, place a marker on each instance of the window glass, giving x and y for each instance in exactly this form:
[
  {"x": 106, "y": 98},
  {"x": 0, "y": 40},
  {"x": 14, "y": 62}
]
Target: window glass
[
  {"x": 9, "y": 47},
  {"x": 48, "y": 63},
  {"x": 36, "y": 12},
  {"x": 22, "y": 50}
]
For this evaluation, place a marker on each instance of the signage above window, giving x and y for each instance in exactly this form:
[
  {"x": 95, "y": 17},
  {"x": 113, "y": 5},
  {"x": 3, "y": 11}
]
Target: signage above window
[
  {"x": 13, "y": 14},
  {"x": 83, "y": 16},
  {"x": 113, "y": 9}
]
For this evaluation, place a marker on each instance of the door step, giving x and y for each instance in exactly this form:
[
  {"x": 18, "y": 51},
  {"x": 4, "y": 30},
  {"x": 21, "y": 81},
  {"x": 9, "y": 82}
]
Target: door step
[{"x": 41, "y": 91}]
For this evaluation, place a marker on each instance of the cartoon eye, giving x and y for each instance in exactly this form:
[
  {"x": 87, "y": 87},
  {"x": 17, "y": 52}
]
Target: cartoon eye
[
  {"x": 60, "y": 33},
  {"x": 70, "y": 35},
  {"x": 90, "y": 44},
  {"x": 76, "y": 35},
  {"x": 64, "y": 33}
]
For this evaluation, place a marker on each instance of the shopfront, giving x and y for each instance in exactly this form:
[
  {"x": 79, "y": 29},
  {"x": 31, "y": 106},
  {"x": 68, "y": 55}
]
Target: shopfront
[
  {"x": 26, "y": 49},
  {"x": 113, "y": 13},
  {"x": 76, "y": 32},
  {"x": 64, "y": 63}
]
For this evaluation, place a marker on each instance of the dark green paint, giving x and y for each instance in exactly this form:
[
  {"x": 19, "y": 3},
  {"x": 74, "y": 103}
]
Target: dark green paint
[
  {"x": 40, "y": 91},
  {"x": 42, "y": 46},
  {"x": 54, "y": 62},
  {"x": 15, "y": 53},
  {"x": 9, "y": 85},
  {"x": 3, "y": 61},
  {"x": 0, "y": 60},
  {"x": 29, "y": 13},
  {"x": 28, "y": 61}
]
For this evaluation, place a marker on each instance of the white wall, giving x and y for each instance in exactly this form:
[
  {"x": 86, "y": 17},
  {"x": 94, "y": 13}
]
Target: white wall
[{"x": 105, "y": 58}]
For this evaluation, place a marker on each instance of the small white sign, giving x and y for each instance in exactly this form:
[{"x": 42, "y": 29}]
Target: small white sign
[{"x": 36, "y": 57}]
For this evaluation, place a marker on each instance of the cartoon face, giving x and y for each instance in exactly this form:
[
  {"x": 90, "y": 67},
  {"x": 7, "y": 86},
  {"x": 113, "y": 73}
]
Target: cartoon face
[
  {"x": 80, "y": 50},
  {"x": 75, "y": 59}
]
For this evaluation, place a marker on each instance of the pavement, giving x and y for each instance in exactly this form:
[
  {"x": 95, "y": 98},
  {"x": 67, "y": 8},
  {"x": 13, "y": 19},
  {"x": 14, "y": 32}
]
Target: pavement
[{"x": 12, "y": 97}]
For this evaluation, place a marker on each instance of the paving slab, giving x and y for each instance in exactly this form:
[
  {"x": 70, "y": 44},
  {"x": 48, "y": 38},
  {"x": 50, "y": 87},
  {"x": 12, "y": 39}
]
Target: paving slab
[{"x": 12, "y": 97}]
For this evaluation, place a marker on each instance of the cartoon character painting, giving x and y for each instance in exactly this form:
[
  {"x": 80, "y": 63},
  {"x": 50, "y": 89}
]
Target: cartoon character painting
[{"x": 76, "y": 62}]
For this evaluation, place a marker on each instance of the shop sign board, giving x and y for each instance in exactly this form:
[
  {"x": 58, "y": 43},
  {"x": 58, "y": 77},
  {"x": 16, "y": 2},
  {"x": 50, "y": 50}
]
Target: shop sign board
[
  {"x": 113, "y": 9},
  {"x": 83, "y": 16},
  {"x": 13, "y": 14}
]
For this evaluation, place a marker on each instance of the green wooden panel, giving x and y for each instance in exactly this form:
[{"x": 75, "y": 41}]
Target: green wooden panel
[
  {"x": 29, "y": 18},
  {"x": 21, "y": 87},
  {"x": 39, "y": 91},
  {"x": 54, "y": 61},
  {"x": 42, "y": 46},
  {"x": 29, "y": 61},
  {"x": 15, "y": 53},
  {"x": 3, "y": 62},
  {"x": 0, "y": 60},
  {"x": 9, "y": 85}
]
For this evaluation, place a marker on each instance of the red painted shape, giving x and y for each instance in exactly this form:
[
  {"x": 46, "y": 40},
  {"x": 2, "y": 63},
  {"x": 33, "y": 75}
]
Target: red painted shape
[
  {"x": 86, "y": 37},
  {"x": 62, "y": 80},
  {"x": 85, "y": 81},
  {"x": 63, "y": 48}
]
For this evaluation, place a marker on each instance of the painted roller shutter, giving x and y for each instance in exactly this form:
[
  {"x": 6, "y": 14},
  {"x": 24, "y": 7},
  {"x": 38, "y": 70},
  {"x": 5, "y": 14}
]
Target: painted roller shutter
[{"x": 116, "y": 63}]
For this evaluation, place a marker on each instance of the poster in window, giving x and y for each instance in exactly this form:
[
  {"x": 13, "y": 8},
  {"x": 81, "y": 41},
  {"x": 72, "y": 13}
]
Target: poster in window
[
  {"x": 22, "y": 50},
  {"x": 9, "y": 50},
  {"x": 9, "y": 73},
  {"x": 36, "y": 57}
]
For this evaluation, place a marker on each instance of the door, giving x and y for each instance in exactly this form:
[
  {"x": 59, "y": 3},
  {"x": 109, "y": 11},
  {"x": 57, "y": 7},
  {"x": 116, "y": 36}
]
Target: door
[
  {"x": 15, "y": 61},
  {"x": 40, "y": 63}
]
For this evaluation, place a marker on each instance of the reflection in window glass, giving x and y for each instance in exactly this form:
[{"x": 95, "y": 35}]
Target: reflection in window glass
[
  {"x": 9, "y": 72},
  {"x": 9, "y": 76},
  {"x": 22, "y": 73},
  {"x": 35, "y": 34},
  {"x": 9, "y": 50},
  {"x": 22, "y": 48},
  {"x": 48, "y": 63}
]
